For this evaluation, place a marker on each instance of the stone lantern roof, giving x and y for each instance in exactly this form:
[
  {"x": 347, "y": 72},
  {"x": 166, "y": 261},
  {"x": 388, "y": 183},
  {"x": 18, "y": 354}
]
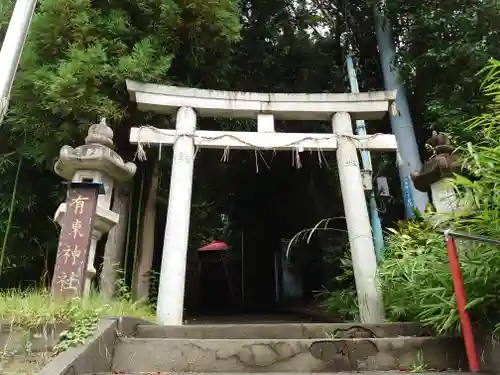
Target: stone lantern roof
[
  {"x": 96, "y": 154},
  {"x": 443, "y": 163}
]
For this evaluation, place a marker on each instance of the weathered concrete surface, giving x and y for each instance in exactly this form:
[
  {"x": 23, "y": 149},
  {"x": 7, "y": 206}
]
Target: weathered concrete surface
[
  {"x": 24, "y": 364},
  {"x": 95, "y": 356},
  {"x": 215, "y": 103},
  {"x": 17, "y": 340},
  {"x": 489, "y": 351},
  {"x": 233, "y": 355},
  {"x": 287, "y": 373},
  {"x": 281, "y": 331},
  {"x": 128, "y": 326},
  {"x": 24, "y": 351},
  {"x": 262, "y": 318}
]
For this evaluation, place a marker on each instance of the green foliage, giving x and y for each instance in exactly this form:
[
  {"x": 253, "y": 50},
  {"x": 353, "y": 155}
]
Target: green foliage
[
  {"x": 449, "y": 41},
  {"x": 33, "y": 309},
  {"x": 339, "y": 295},
  {"x": 341, "y": 302},
  {"x": 416, "y": 279},
  {"x": 82, "y": 316},
  {"x": 79, "y": 331},
  {"x": 419, "y": 364},
  {"x": 11, "y": 213},
  {"x": 72, "y": 72},
  {"x": 415, "y": 274},
  {"x": 79, "y": 54}
]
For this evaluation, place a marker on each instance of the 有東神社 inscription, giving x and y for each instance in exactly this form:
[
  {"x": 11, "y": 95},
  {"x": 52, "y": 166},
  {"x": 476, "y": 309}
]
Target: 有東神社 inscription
[{"x": 74, "y": 242}]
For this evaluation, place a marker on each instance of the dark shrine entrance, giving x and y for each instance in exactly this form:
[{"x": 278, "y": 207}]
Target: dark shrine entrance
[{"x": 257, "y": 204}]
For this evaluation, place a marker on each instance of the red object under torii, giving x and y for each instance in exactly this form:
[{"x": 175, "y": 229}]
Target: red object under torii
[{"x": 215, "y": 246}]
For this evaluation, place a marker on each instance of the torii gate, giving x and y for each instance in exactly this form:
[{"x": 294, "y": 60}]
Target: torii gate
[{"x": 188, "y": 103}]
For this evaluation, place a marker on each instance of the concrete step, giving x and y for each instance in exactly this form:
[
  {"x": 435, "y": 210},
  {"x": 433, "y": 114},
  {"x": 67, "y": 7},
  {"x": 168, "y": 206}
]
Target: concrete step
[
  {"x": 305, "y": 373},
  {"x": 281, "y": 331},
  {"x": 291, "y": 355}
]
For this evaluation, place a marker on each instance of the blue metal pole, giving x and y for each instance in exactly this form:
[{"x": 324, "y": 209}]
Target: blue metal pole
[
  {"x": 402, "y": 125},
  {"x": 378, "y": 237}
]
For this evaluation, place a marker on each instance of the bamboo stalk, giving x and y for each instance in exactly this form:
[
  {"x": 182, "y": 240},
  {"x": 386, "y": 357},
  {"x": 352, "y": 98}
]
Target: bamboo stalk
[
  {"x": 137, "y": 230},
  {"x": 11, "y": 208}
]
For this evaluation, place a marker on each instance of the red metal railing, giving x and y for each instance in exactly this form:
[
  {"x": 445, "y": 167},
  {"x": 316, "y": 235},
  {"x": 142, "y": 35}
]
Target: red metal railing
[{"x": 458, "y": 285}]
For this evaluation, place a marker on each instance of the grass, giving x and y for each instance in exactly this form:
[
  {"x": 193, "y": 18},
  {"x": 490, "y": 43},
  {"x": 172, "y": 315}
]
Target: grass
[
  {"x": 33, "y": 308},
  {"x": 36, "y": 309}
]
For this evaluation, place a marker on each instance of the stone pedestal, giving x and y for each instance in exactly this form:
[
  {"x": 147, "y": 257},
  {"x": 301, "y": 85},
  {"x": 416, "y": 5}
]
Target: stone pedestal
[
  {"x": 103, "y": 221},
  {"x": 94, "y": 162},
  {"x": 75, "y": 240},
  {"x": 444, "y": 198}
]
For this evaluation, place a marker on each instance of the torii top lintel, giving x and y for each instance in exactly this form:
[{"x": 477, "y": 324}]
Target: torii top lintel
[{"x": 213, "y": 103}]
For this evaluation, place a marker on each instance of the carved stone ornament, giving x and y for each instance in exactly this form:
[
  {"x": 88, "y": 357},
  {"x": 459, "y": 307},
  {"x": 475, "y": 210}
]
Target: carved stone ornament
[
  {"x": 442, "y": 164},
  {"x": 96, "y": 155}
]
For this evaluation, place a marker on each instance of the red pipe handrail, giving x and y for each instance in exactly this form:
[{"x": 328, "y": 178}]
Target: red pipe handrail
[{"x": 458, "y": 285}]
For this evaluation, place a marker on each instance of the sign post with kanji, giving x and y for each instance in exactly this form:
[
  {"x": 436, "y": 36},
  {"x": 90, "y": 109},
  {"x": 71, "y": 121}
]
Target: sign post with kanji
[{"x": 74, "y": 242}]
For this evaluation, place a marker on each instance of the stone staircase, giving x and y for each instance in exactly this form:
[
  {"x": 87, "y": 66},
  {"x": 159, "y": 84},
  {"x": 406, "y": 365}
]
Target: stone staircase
[{"x": 284, "y": 348}]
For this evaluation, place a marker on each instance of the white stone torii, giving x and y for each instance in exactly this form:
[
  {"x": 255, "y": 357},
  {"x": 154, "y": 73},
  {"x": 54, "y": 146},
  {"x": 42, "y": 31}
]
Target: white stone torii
[{"x": 187, "y": 103}]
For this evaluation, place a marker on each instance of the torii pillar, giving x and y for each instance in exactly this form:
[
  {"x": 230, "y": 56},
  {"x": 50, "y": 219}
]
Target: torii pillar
[
  {"x": 358, "y": 222},
  {"x": 170, "y": 306}
]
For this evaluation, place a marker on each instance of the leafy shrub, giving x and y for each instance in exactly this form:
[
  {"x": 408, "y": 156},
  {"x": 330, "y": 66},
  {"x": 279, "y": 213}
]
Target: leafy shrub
[
  {"x": 342, "y": 300},
  {"x": 416, "y": 280},
  {"x": 36, "y": 308},
  {"x": 415, "y": 275}
]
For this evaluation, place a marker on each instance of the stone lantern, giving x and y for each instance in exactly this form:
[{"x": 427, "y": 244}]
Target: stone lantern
[
  {"x": 435, "y": 172},
  {"x": 94, "y": 162}
]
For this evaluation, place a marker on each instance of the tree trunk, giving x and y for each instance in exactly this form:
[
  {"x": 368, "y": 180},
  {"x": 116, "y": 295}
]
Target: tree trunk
[
  {"x": 115, "y": 244},
  {"x": 147, "y": 243}
]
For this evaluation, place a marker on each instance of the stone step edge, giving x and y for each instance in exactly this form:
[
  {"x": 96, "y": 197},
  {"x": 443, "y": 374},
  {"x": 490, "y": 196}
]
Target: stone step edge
[
  {"x": 282, "y": 331},
  {"x": 255, "y": 340},
  {"x": 289, "y": 373},
  {"x": 333, "y": 325}
]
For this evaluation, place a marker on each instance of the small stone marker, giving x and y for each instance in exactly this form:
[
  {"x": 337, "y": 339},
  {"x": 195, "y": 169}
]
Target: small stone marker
[{"x": 74, "y": 242}]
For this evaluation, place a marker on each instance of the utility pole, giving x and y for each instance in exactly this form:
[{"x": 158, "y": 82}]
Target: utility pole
[
  {"x": 378, "y": 237},
  {"x": 402, "y": 125},
  {"x": 12, "y": 49}
]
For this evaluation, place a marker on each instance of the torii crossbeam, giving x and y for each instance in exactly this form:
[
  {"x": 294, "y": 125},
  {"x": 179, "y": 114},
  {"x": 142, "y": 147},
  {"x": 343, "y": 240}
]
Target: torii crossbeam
[{"x": 262, "y": 140}]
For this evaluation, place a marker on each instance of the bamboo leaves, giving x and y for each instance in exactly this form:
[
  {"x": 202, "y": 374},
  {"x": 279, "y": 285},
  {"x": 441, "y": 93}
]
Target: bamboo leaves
[{"x": 415, "y": 275}]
